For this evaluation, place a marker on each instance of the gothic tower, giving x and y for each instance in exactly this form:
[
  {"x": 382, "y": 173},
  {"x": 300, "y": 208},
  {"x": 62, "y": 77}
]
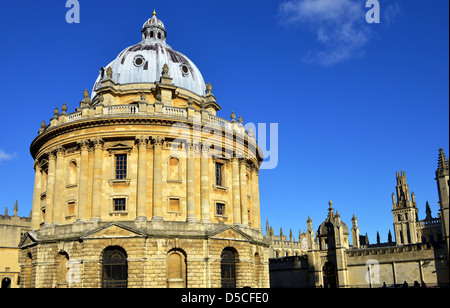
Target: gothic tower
[
  {"x": 405, "y": 212},
  {"x": 442, "y": 179},
  {"x": 355, "y": 232}
]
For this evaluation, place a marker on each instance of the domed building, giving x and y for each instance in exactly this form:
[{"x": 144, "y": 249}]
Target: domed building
[{"x": 144, "y": 185}]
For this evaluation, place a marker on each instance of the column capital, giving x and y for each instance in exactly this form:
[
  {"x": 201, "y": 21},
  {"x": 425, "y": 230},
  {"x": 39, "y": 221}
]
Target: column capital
[
  {"x": 189, "y": 144},
  {"x": 37, "y": 166},
  {"x": 83, "y": 144},
  {"x": 197, "y": 147},
  {"x": 254, "y": 168},
  {"x": 158, "y": 141},
  {"x": 243, "y": 161},
  {"x": 51, "y": 154},
  {"x": 142, "y": 141},
  {"x": 59, "y": 150},
  {"x": 206, "y": 149},
  {"x": 98, "y": 143},
  {"x": 237, "y": 155}
]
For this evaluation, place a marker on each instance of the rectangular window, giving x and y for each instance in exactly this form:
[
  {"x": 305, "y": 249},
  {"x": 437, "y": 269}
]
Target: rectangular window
[
  {"x": 71, "y": 208},
  {"x": 119, "y": 205},
  {"x": 220, "y": 209},
  {"x": 174, "y": 205},
  {"x": 121, "y": 166},
  {"x": 219, "y": 174}
]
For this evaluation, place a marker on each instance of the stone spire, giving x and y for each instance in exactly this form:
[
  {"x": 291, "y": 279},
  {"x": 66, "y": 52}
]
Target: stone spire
[
  {"x": 402, "y": 188},
  {"x": 442, "y": 181},
  {"x": 428, "y": 211},
  {"x": 355, "y": 233},
  {"x": 16, "y": 209},
  {"x": 442, "y": 163}
]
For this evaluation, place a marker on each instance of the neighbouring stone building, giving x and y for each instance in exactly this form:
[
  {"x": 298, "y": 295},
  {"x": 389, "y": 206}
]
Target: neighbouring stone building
[
  {"x": 12, "y": 230},
  {"x": 326, "y": 258},
  {"x": 144, "y": 185}
]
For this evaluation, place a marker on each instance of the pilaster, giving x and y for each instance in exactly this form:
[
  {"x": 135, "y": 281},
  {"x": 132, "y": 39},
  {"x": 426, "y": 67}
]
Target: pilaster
[
  {"x": 83, "y": 181},
  {"x": 35, "y": 217},
  {"x": 204, "y": 181},
  {"x": 97, "y": 181},
  {"x": 58, "y": 199},
  {"x": 243, "y": 189},
  {"x": 141, "y": 178},
  {"x": 50, "y": 188},
  {"x": 256, "y": 224},
  {"x": 190, "y": 182},
  {"x": 236, "y": 191},
  {"x": 157, "y": 178}
]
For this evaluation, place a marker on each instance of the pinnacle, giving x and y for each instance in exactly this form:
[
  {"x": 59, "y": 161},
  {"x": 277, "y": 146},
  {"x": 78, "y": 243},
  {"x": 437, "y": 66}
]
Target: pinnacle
[{"x": 443, "y": 162}]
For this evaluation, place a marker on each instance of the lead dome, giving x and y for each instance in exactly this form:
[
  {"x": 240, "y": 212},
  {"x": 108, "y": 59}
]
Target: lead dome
[{"x": 144, "y": 62}]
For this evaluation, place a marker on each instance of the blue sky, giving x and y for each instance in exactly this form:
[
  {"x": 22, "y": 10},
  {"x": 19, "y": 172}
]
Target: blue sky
[{"x": 354, "y": 102}]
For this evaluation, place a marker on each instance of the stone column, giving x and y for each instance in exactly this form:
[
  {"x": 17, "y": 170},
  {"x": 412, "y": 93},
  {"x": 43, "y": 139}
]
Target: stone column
[
  {"x": 58, "y": 199},
  {"x": 97, "y": 180},
  {"x": 141, "y": 178},
  {"x": 50, "y": 188},
  {"x": 255, "y": 199},
  {"x": 243, "y": 188},
  {"x": 236, "y": 191},
  {"x": 204, "y": 181},
  {"x": 190, "y": 181},
  {"x": 157, "y": 178},
  {"x": 35, "y": 212},
  {"x": 83, "y": 181}
]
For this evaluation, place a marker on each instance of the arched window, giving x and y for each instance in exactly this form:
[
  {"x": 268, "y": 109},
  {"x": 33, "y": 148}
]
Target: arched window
[
  {"x": 6, "y": 283},
  {"x": 173, "y": 169},
  {"x": 28, "y": 270},
  {"x": 72, "y": 174},
  {"x": 62, "y": 260},
  {"x": 115, "y": 268},
  {"x": 151, "y": 34},
  {"x": 228, "y": 268},
  {"x": 176, "y": 269}
]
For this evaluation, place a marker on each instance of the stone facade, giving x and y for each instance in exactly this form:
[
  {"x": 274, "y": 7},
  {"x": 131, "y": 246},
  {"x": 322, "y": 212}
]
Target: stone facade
[
  {"x": 144, "y": 185},
  {"x": 147, "y": 254},
  {"x": 418, "y": 255},
  {"x": 12, "y": 230}
]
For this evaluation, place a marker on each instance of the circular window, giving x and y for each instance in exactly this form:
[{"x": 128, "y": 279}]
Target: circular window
[
  {"x": 139, "y": 61},
  {"x": 185, "y": 70}
]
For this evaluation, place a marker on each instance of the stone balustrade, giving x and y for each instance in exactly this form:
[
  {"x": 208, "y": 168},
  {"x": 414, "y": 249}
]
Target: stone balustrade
[
  {"x": 121, "y": 109},
  {"x": 148, "y": 110},
  {"x": 174, "y": 112}
]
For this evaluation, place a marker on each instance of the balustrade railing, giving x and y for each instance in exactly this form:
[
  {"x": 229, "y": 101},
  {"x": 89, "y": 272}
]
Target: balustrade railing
[
  {"x": 74, "y": 116},
  {"x": 134, "y": 109},
  {"x": 175, "y": 112},
  {"x": 217, "y": 120},
  {"x": 121, "y": 109}
]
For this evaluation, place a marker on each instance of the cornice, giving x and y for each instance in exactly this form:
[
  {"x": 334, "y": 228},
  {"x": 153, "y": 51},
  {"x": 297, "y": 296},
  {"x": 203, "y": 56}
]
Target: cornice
[{"x": 236, "y": 141}]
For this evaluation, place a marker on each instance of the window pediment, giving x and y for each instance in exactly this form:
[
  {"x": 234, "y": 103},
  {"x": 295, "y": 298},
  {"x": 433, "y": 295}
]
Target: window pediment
[{"x": 119, "y": 148}]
